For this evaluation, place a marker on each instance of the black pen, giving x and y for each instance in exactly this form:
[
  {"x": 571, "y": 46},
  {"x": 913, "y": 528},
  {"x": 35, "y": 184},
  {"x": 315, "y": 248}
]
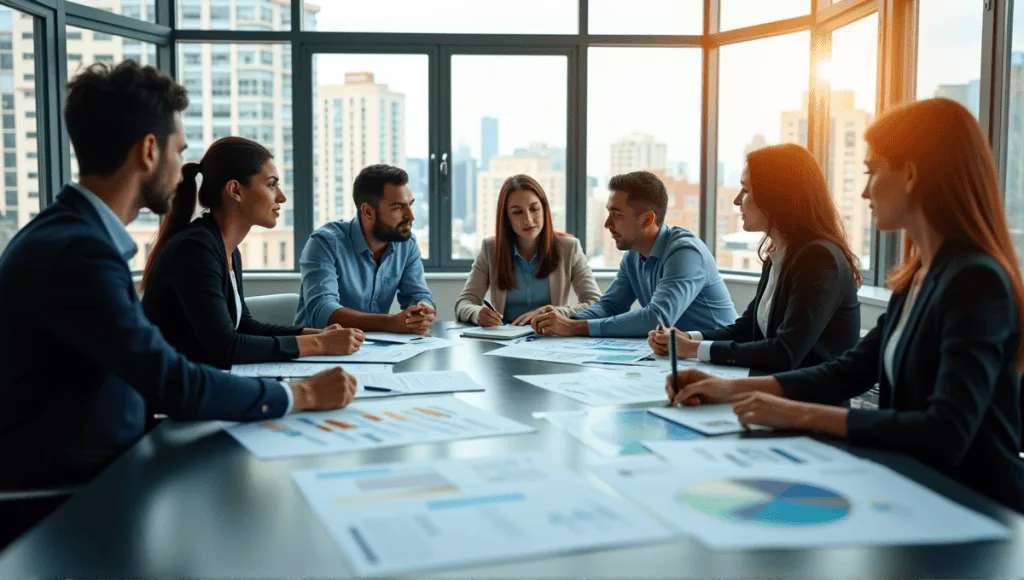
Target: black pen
[
  {"x": 675, "y": 360},
  {"x": 378, "y": 389}
]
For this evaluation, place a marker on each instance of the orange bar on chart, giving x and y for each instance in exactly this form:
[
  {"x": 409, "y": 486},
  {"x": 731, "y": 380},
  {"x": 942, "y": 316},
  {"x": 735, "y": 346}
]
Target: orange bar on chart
[
  {"x": 430, "y": 412},
  {"x": 394, "y": 416},
  {"x": 340, "y": 424},
  {"x": 372, "y": 417}
]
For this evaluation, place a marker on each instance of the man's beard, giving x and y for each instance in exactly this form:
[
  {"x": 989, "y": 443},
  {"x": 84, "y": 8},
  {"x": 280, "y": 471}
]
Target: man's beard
[
  {"x": 386, "y": 233},
  {"x": 156, "y": 201}
]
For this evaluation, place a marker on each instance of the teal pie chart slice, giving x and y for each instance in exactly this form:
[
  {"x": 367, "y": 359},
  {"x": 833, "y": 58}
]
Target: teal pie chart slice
[{"x": 766, "y": 502}]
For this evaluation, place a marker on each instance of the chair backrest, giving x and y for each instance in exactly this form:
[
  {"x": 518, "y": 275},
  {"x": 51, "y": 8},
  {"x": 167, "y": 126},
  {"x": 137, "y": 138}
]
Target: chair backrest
[{"x": 274, "y": 308}]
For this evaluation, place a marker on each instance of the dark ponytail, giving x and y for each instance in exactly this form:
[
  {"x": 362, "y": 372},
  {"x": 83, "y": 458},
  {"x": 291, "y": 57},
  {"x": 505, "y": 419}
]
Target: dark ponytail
[{"x": 230, "y": 158}]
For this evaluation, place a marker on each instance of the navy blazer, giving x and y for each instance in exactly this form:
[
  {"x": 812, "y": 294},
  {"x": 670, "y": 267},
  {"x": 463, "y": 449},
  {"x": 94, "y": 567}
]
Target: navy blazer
[
  {"x": 82, "y": 363},
  {"x": 956, "y": 400},
  {"x": 814, "y": 317},
  {"x": 189, "y": 297}
]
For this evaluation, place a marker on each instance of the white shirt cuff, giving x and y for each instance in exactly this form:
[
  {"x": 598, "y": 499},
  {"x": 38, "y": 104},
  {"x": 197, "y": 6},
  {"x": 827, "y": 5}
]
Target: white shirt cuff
[
  {"x": 694, "y": 335},
  {"x": 291, "y": 397},
  {"x": 704, "y": 351}
]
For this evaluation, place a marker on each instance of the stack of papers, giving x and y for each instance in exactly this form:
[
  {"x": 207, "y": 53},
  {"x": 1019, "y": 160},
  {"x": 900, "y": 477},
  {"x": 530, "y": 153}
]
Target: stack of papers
[
  {"x": 415, "y": 383},
  {"x": 372, "y": 352},
  {"x": 576, "y": 350},
  {"x": 741, "y": 494},
  {"x": 403, "y": 518},
  {"x": 286, "y": 370},
  {"x": 504, "y": 332},
  {"x": 424, "y": 342},
  {"x": 372, "y": 425},
  {"x": 622, "y": 386}
]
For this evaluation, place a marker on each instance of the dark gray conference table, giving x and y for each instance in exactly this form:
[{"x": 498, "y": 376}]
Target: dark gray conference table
[{"x": 189, "y": 502}]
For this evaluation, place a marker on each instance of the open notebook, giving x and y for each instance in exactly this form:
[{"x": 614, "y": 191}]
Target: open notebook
[{"x": 504, "y": 332}]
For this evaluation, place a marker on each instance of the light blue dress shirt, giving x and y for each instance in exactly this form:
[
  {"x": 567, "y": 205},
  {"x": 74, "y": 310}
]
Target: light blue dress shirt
[
  {"x": 338, "y": 271},
  {"x": 531, "y": 292},
  {"x": 126, "y": 246},
  {"x": 678, "y": 283}
]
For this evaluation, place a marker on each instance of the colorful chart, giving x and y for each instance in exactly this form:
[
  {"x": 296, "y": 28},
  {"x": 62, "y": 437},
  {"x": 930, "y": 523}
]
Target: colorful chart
[
  {"x": 626, "y": 429},
  {"x": 766, "y": 502}
]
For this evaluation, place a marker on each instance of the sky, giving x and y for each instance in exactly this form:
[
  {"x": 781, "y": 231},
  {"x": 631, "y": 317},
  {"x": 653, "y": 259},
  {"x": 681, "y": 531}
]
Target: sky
[{"x": 648, "y": 90}]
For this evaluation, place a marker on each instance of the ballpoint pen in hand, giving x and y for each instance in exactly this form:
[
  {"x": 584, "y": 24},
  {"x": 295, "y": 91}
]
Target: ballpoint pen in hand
[
  {"x": 674, "y": 361},
  {"x": 491, "y": 306}
]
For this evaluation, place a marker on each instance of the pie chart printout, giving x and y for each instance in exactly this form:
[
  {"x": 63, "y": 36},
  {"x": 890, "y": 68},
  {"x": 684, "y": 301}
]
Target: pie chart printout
[{"x": 766, "y": 502}]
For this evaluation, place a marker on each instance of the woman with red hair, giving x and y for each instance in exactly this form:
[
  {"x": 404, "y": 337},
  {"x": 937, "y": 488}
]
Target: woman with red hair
[
  {"x": 946, "y": 355},
  {"x": 527, "y": 264}
]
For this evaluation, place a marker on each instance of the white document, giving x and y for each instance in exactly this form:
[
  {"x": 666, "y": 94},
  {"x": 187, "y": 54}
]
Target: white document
[
  {"x": 637, "y": 347},
  {"x": 424, "y": 342},
  {"x": 504, "y": 332},
  {"x": 708, "y": 419},
  {"x": 618, "y": 431},
  {"x": 665, "y": 365},
  {"x": 372, "y": 425},
  {"x": 781, "y": 497},
  {"x": 299, "y": 370},
  {"x": 614, "y": 387},
  {"x": 371, "y": 352},
  {"x": 405, "y": 518},
  {"x": 415, "y": 383},
  {"x": 540, "y": 353}
]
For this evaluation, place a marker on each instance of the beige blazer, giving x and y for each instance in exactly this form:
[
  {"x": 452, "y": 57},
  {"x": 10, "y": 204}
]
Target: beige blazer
[{"x": 572, "y": 270}]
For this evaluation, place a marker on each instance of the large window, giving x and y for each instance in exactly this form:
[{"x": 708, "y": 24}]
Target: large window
[
  {"x": 650, "y": 130},
  {"x": 369, "y": 109},
  {"x": 141, "y": 9},
  {"x": 450, "y": 16},
  {"x": 749, "y": 119},
  {"x": 20, "y": 164},
  {"x": 741, "y": 13},
  {"x": 231, "y": 94},
  {"x": 1015, "y": 135},
  {"x": 949, "y": 51},
  {"x": 646, "y": 17},
  {"x": 852, "y": 72},
  {"x": 499, "y": 131}
]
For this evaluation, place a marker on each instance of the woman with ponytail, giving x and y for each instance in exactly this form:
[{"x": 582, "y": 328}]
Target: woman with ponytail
[{"x": 192, "y": 283}]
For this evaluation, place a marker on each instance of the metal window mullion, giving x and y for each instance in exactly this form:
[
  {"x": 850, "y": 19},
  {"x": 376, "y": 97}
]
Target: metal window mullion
[
  {"x": 994, "y": 80},
  {"x": 709, "y": 177},
  {"x": 302, "y": 149}
]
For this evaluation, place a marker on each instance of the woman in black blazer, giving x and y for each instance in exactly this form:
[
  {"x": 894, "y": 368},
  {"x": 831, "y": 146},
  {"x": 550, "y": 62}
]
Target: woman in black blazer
[
  {"x": 193, "y": 279},
  {"x": 946, "y": 355},
  {"x": 806, "y": 309}
]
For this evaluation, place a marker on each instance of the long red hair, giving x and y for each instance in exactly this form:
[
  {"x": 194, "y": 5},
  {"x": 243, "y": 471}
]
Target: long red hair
[
  {"x": 956, "y": 186},
  {"x": 505, "y": 237},
  {"x": 787, "y": 184}
]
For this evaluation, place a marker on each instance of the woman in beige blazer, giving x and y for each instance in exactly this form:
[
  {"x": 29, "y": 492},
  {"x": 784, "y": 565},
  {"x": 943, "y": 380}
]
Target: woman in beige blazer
[{"x": 526, "y": 265}]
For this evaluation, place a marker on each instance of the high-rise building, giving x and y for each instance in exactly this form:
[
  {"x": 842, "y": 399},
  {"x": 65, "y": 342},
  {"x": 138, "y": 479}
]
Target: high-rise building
[
  {"x": 543, "y": 150},
  {"x": 488, "y": 141},
  {"x": 967, "y": 94},
  {"x": 1014, "y": 198},
  {"x": 464, "y": 173},
  {"x": 360, "y": 123},
  {"x": 637, "y": 152},
  {"x": 489, "y": 181},
  {"x": 845, "y": 179}
]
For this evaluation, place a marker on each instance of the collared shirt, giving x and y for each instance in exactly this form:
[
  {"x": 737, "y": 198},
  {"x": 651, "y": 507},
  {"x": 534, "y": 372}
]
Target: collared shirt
[
  {"x": 678, "y": 284},
  {"x": 119, "y": 236},
  {"x": 126, "y": 246},
  {"x": 531, "y": 292},
  {"x": 338, "y": 271}
]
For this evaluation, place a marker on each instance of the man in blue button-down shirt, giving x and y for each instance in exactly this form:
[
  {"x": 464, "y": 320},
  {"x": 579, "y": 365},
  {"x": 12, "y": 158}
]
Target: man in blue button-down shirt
[
  {"x": 352, "y": 270},
  {"x": 668, "y": 269}
]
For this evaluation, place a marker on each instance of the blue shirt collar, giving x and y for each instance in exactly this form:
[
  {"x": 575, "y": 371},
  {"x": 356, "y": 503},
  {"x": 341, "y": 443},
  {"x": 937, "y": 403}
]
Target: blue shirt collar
[
  {"x": 358, "y": 240},
  {"x": 515, "y": 250},
  {"x": 119, "y": 236},
  {"x": 659, "y": 244}
]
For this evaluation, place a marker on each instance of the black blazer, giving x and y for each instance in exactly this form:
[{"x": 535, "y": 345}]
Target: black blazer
[
  {"x": 81, "y": 362},
  {"x": 956, "y": 401},
  {"x": 189, "y": 296},
  {"x": 814, "y": 317}
]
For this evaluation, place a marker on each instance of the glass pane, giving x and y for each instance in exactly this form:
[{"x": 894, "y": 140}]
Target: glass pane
[
  {"x": 236, "y": 14},
  {"x": 447, "y": 16},
  {"x": 232, "y": 91},
  {"x": 646, "y": 17},
  {"x": 19, "y": 162},
  {"x": 369, "y": 109},
  {"x": 741, "y": 13},
  {"x": 86, "y": 47},
  {"x": 140, "y": 9},
  {"x": 1015, "y": 136},
  {"x": 762, "y": 85},
  {"x": 501, "y": 132},
  {"x": 949, "y": 51},
  {"x": 853, "y": 72},
  {"x": 631, "y": 130}
]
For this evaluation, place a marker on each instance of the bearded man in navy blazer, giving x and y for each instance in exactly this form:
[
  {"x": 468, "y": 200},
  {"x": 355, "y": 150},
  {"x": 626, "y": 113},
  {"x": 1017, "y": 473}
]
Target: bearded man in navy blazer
[{"x": 82, "y": 365}]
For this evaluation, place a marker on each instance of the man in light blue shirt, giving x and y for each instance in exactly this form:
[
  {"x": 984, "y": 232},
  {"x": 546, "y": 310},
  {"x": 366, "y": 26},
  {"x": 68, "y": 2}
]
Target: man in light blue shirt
[
  {"x": 352, "y": 270},
  {"x": 668, "y": 269}
]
